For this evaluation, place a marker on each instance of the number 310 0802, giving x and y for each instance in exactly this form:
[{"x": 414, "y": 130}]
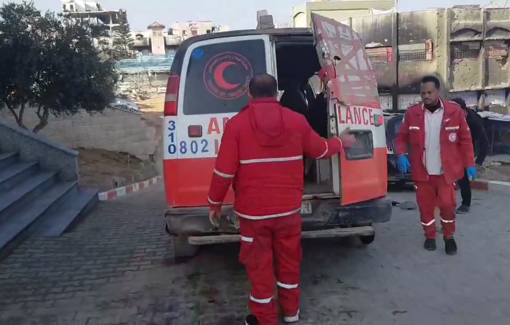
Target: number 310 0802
[{"x": 189, "y": 147}]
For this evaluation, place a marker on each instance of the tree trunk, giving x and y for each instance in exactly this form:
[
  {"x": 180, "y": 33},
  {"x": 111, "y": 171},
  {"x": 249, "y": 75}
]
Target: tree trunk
[
  {"x": 43, "y": 119},
  {"x": 18, "y": 117}
]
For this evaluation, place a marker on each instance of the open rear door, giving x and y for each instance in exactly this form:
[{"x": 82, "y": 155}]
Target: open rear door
[{"x": 353, "y": 102}]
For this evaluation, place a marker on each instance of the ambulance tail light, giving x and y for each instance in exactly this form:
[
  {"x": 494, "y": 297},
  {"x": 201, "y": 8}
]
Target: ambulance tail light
[
  {"x": 378, "y": 120},
  {"x": 195, "y": 131},
  {"x": 172, "y": 92}
]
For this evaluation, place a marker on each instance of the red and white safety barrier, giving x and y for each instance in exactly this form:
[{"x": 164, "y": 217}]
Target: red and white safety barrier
[
  {"x": 132, "y": 188},
  {"x": 492, "y": 186}
]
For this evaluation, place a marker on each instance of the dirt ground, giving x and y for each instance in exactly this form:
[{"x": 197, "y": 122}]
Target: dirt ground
[{"x": 106, "y": 169}]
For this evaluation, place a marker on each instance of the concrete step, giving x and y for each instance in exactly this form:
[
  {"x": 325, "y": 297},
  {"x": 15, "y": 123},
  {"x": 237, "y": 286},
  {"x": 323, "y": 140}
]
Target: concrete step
[
  {"x": 13, "y": 174},
  {"x": 69, "y": 214},
  {"x": 25, "y": 192},
  {"x": 7, "y": 158},
  {"x": 20, "y": 225}
]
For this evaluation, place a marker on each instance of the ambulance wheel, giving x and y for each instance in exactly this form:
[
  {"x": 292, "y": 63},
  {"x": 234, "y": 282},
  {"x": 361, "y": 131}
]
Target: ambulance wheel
[
  {"x": 182, "y": 248},
  {"x": 367, "y": 240}
]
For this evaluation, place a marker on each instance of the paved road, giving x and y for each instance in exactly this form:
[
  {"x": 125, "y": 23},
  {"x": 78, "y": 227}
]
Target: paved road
[{"x": 115, "y": 268}]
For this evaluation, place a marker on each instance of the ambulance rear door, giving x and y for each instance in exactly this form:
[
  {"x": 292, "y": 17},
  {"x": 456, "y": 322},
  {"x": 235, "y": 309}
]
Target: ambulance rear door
[{"x": 359, "y": 172}]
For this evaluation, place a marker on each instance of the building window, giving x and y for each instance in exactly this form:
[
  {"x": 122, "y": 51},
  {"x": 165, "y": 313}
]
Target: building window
[
  {"x": 71, "y": 7},
  {"x": 194, "y": 32},
  {"x": 183, "y": 33}
]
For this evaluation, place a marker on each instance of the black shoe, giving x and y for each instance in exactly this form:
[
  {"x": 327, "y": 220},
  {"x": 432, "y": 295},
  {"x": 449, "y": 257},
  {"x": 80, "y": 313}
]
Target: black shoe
[
  {"x": 463, "y": 209},
  {"x": 251, "y": 320},
  {"x": 430, "y": 244},
  {"x": 450, "y": 246}
]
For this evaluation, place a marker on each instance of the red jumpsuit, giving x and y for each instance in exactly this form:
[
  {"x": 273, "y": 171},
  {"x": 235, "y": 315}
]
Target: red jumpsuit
[
  {"x": 261, "y": 153},
  {"x": 456, "y": 154}
]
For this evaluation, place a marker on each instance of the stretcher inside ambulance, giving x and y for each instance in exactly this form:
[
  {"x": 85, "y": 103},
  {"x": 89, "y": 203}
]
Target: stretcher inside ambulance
[{"x": 324, "y": 74}]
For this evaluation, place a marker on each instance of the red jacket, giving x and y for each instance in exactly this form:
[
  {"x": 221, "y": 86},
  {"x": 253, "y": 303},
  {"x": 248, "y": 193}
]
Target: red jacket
[
  {"x": 455, "y": 138},
  {"x": 262, "y": 152}
]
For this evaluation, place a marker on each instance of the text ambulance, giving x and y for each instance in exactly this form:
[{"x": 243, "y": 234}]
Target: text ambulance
[{"x": 208, "y": 84}]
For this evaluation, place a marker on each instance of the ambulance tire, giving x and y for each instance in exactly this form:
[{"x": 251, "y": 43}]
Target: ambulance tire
[
  {"x": 182, "y": 248},
  {"x": 367, "y": 240}
]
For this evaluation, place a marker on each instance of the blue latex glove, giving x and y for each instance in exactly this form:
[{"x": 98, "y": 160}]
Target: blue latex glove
[
  {"x": 471, "y": 173},
  {"x": 403, "y": 164}
]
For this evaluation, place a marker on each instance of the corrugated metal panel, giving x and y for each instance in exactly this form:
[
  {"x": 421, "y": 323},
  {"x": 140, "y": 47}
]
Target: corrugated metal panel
[
  {"x": 147, "y": 64},
  {"x": 495, "y": 97},
  {"x": 470, "y": 97},
  {"x": 386, "y": 102},
  {"x": 404, "y": 101}
]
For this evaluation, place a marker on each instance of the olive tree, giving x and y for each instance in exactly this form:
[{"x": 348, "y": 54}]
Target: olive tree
[{"x": 49, "y": 64}]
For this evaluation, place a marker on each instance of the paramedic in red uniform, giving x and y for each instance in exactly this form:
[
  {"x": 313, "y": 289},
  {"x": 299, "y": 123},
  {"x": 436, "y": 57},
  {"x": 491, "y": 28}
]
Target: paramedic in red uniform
[
  {"x": 440, "y": 150},
  {"x": 261, "y": 153}
]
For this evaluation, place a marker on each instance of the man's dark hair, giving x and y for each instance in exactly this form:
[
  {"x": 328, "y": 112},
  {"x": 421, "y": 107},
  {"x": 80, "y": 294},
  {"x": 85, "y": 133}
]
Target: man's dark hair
[
  {"x": 263, "y": 85},
  {"x": 431, "y": 79},
  {"x": 460, "y": 101}
]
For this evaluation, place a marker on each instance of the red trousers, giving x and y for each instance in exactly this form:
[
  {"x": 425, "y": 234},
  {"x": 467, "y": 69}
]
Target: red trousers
[
  {"x": 269, "y": 248},
  {"x": 436, "y": 191}
]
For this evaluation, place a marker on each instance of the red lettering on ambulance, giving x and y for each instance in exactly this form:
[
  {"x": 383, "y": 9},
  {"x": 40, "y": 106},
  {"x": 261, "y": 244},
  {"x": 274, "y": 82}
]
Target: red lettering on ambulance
[
  {"x": 216, "y": 146},
  {"x": 213, "y": 126},
  {"x": 357, "y": 115},
  {"x": 225, "y": 120},
  {"x": 365, "y": 117},
  {"x": 371, "y": 117},
  {"x": 348, "y": 116}
]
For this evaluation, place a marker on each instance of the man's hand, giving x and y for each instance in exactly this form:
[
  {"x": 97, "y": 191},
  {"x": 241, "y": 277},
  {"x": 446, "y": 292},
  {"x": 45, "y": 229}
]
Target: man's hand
[
  {"x": 214, "y": 218},
  {"x": 471, "y": 173},
  {"x": 403, "y": 164},
  {"x": 347, "y": 139}
]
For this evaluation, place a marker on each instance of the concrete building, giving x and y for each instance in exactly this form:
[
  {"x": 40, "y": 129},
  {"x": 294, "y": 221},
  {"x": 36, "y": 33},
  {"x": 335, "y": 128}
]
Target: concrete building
[
  {"x": 338, "y": 10},
  {"x": 158, "y": 36},
  {"x": 92, "y": 11}
]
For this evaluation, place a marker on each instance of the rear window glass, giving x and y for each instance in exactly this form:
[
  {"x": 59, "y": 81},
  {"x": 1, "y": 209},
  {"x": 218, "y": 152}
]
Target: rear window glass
[{"x": 218, "y": 76}]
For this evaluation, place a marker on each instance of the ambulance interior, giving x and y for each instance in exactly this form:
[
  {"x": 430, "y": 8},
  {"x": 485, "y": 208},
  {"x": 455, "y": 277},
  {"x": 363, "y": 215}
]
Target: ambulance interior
[{"x": 299, "y": 89}]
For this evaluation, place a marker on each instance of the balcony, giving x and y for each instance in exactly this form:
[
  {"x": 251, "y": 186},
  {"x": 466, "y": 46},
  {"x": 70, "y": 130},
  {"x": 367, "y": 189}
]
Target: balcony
[{"x": 173, "y": 40}]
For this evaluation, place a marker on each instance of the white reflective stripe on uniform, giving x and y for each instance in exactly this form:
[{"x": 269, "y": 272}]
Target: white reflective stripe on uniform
[
  {"x": 267, "y": 160},
  {"x": 452, "y": 128},
  {"x": 213, "y": 202},
  {"x": 246, "y": 239},
  {"x": 325, "y": 152},
  {"x": 261, "y": 301},
  {"x": 246, "y": 216},
  {"x": 428, "y": 223},
  {"x": 447, "y": 221},
  {"x": 414, "y": 128},
  {"x": 287, "y": 286},
  {"x": 291, "y": 319},
  {"x": 222, "y": 174}
]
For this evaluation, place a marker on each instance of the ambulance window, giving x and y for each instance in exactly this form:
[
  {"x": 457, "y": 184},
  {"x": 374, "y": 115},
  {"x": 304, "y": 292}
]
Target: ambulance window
[{"x": 218, "y": 76}]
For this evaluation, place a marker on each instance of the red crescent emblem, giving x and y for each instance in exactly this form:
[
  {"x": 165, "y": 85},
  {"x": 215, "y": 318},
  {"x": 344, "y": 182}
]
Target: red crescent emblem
[
  {"x": 239, "y": 76},
  {"x": 218, "y": 76}
]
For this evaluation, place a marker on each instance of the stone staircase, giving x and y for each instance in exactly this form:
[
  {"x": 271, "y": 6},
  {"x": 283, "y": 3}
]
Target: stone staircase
[{"x": 37, "y": 202}]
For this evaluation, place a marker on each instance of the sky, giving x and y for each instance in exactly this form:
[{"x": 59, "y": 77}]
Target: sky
[{"x": 240, "y": 14}]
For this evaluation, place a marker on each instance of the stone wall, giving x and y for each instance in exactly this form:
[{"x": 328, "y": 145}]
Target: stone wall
[{"x": 113, "y": 130}]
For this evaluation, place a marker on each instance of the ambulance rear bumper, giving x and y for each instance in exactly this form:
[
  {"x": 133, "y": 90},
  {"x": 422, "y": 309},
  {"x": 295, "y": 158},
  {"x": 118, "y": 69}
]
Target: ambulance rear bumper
[{"x": 327, "y": 214}]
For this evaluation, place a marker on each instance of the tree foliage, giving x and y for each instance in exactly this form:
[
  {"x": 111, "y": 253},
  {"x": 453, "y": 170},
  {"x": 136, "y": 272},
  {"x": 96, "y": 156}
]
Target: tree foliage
[
  {"x": 122, "y": 39},
  {"x": 50, "y": 65}
]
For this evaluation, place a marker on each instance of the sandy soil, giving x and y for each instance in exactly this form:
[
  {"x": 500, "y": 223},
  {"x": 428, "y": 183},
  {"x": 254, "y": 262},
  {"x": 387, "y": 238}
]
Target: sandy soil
[{"x": 106, "y": 170}]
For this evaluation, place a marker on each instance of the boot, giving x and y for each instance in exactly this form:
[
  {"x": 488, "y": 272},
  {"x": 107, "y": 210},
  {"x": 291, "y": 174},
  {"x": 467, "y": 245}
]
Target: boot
[
  {"x": 251, "y": 320},
  {"x": 450, "y": 246},
  {"x": 430, "y": 244}
]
